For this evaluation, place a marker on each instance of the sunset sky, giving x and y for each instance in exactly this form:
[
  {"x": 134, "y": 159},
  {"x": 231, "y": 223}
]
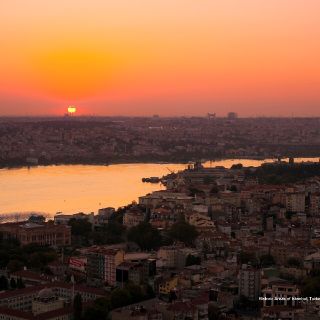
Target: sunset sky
[{"x": 168, "y": 57}]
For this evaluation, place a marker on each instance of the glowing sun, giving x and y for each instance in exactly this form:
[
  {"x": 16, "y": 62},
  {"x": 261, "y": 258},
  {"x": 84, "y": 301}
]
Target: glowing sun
[{"x": 72, "y": 110}]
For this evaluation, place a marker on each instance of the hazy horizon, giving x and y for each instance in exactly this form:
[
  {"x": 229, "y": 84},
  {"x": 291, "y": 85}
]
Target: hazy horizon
[
  {"x": 83, "y": 116},
  {"x": 181, "y": 58}
]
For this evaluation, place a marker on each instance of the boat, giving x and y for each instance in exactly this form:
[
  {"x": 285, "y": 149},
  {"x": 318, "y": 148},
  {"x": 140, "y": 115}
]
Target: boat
[{"x": 151, "y": 180}]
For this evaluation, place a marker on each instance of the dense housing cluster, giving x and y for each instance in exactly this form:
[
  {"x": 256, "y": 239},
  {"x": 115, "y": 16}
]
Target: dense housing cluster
[
  {"x": 112, "y": 140},
  {"x": 217, "y": 243}
]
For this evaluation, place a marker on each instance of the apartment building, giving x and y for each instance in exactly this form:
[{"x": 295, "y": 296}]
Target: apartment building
[
  {"x": 296, "y": 202},
  {"x": 249, "y": 282},
  {"x": 133, "y": 218},
  {"x": 102, "y": 264}
]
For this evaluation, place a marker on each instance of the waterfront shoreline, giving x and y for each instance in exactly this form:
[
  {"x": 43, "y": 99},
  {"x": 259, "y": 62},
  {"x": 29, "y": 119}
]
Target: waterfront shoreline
[
  {"x": 125, "y": 162},
  {"x": 115, "y": 185}
]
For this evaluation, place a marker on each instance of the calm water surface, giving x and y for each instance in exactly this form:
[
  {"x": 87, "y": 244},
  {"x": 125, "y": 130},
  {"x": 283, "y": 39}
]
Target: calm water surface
[{"x": 74, "y": 188}]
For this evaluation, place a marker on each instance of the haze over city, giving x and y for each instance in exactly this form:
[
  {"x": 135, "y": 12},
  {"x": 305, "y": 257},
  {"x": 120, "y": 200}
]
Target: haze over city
[
  {"x": 172, "y": 58},
  {"x": 159, "y": 160}
]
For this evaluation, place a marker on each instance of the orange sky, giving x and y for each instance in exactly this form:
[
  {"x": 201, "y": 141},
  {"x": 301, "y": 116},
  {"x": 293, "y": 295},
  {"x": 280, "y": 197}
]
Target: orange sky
[{"x": 168, "y": 57}]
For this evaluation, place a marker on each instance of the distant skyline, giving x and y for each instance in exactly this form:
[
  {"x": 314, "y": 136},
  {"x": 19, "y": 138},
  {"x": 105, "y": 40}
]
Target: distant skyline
[{"x": 172, "y": 58}]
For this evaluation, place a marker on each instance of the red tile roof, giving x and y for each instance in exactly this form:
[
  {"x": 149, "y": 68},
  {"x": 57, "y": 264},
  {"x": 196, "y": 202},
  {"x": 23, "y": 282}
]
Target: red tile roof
[
  {"x": 35, "y": 289},
  {"x": 16, "y": 313},
  {"x": 28, "y": 274},
  {"x": 29, "y": 316}
]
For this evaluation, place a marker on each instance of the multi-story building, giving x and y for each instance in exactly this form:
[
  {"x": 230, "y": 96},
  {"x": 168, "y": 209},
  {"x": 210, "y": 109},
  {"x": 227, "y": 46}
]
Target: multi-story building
[
  {"x": 78, "y": 263},
  {"x": 200, "y": 221},
  {"x": 163, "y": 217},
  {"x": 153, "y": 309},
  {"x": 31, "y": 278},
  {"x": 312, "y": 261},
  {"x": 147, "y": 260},
  {"x": 194, "y": 309},
  {"x": 42, "y": 234},
  {"x": 167, "y": 285},
  {"x": 136, "y": 312},
  {"x": 101, "y": 218},
  {"x": 102, "y": 264},
  {"x": 106, "y": 212},
  {"x": 295, "y": 202},
  {"x": 174, "y": 257},
  {"x": 133, "y": 218},
  {"x": 137, "y": 268},
  {"x": 249, "y": 282},
  {"x": 132, "y": 272},
  {"x": 65, "y": 313},
  {"x": 23, "y": 299},
  {"x": 314, "y": 204},
  {"x": 280, "y": 293},
  {"x": 156, "y": 198},
  {"x": 284, "y": 312},
  {"x": 60, "y": 218}
]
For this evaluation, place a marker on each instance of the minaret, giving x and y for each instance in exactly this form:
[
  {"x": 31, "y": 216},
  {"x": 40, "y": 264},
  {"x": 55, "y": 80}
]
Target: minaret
[{"x": 72, "y": 296}]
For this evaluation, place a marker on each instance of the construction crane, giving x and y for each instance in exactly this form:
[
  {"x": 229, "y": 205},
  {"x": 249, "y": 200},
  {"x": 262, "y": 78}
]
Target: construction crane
[{"x": 170, "y": 170}]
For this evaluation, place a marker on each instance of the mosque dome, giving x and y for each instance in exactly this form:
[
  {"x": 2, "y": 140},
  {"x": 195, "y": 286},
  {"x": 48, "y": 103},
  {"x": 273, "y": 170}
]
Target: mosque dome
[{"x": 46, "y": 294}]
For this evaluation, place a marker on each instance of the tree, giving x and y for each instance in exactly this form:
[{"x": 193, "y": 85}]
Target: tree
[
  {"x": 14, "y": 257},
  {"x": 135, "y": 292},
  {"x": 248, "y": 257},
  {"x": 119, "y": 298},
  {"x": 207, "y": 180},
  {"x": 284, "y": 173},
  {"x": 15, "y": 265},
  {"x": 5, "y": 257},
  {"x": 172, "y": 296},
  {"x": 149, "y": 292},
  {"x": 267, "y": 260},
  {"x": 34, "y": 260},
  {"x": 77, "y": 307},
  {"x": 311, "y": 287},
  {"x": 13, "y": 284},
  {"x": 109, "y": 234},
  {"x": 98, "y": 311},
  {"x": 117, "y": 217},
  {"x": 184, "y": 232},
  {"x": 103, "y": 303},
  {"x": 237, "y": 166},
  {"x": 233, "y": 188},
  {"x": 293, "y": 262},
  {"x": 145, "y": 236},
  {"x": 192, "y": 260},
  {"x": 214, "y": 313},
  {"x": 38, "y": 260},
  {"x": 214, "y": 190},
  {"x": 20, "y": 284},
  {"x": 94, "y": 313},
  {"x": 37, "y": 219},
  {"x": 80, "y": 227},
  {"x": 193, "y": 191},
  {"x": 4, "y": 283}
]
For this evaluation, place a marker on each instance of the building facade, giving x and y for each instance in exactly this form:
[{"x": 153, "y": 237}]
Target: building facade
[
  {"x": 249, "y": 282},
  {"x": 42, "y": 234},
  {"x": 102, "y": 264}
]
